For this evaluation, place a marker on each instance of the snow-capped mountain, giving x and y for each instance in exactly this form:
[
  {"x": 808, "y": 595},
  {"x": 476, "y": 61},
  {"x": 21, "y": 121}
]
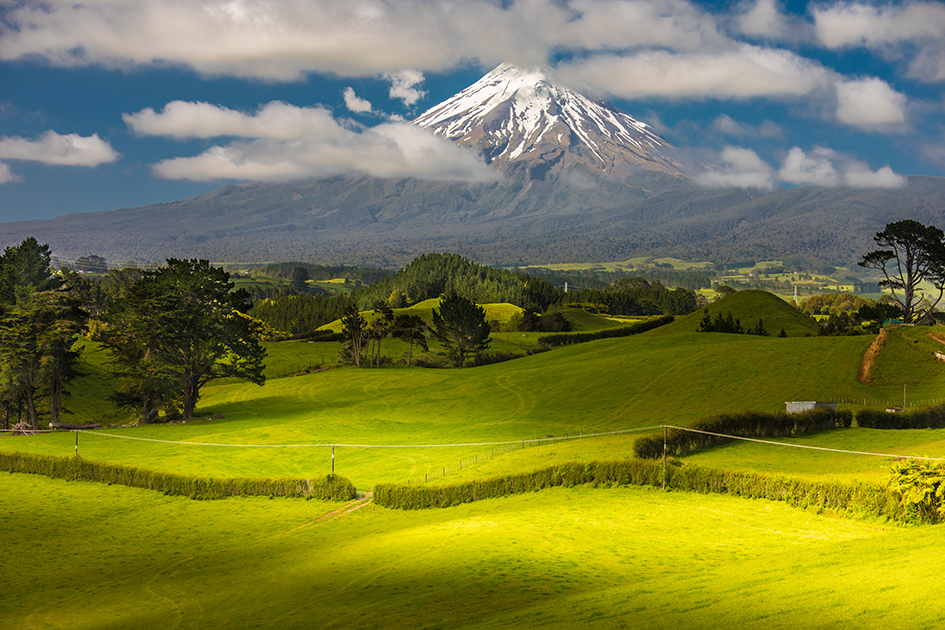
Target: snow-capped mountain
[{"x": 514, "y": 116}]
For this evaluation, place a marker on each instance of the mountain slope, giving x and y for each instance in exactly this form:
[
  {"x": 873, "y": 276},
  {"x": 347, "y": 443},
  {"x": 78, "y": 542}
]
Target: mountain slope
[
  {"x": 515, "y": 115},
  {"x": 581, "y": 181}
]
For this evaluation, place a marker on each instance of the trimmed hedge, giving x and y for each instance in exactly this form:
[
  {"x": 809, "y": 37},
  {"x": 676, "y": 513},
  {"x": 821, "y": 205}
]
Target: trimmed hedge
[
  {"x": 743, "y": 424},
  {"x": 861, "y": 499},
  {"x": 629, "y": 472},
  {"x": 610, "y": 333},
  {"x": 923, "y": 418},
  {"x": 330, "y": 487}
]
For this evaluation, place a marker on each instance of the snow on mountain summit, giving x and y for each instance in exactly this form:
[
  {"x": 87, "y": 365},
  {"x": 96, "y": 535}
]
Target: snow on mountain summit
[{"x": 514, "y": 115}]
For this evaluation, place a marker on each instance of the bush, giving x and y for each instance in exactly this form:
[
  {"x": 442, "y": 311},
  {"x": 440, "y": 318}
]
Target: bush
[
  {"x": 331, "y": 487},
  {"x": 742, "y": 424},
  {"x": 922, "y": 418},
  {"x": 610, "y": 333}
]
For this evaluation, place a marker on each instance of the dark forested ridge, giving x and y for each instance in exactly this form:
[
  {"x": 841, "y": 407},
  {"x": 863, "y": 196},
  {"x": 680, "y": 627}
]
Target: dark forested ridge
[{"x": 519, "y": 220}]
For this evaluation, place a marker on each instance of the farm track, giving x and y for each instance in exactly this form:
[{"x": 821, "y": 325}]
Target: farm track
[
  {"x": 344, "y": 510},
  {"x": 869, "y": 357}
]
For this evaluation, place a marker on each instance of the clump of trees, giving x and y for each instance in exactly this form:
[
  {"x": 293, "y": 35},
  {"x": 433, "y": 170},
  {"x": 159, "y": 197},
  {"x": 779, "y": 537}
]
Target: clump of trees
[
  {"x": 635, "y": 296},
  {"x": 174, "y": 330},
  {"x": 433, "y": 275},
  {"x": 727, "y": 324},
  {"x": 461, "y": 327},
  {"x": 40, "y": 321}
]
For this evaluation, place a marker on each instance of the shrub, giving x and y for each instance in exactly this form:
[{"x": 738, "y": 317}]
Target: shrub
[
  {"x": 331, "y": 487},
  {"x": 742, "y": 424},
  {"x": 610, "y": 333},
  {"x": 923, "y": 418}
]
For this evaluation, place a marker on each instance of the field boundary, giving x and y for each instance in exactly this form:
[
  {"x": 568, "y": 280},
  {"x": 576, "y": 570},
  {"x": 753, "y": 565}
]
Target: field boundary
[
  {"x": 859, "y": 498},
  {"x": 74, "y": 468}
]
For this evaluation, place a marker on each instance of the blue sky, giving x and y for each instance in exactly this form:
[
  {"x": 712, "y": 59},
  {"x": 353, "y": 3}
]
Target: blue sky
[{"x": 120, "y": 103}]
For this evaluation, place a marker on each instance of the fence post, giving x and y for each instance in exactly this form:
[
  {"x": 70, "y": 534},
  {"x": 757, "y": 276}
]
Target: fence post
[{"x": 664, "y": 458}]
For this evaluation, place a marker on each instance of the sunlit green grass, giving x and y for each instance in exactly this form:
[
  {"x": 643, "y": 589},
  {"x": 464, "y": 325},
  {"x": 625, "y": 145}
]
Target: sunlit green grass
[
  {"x": 90, "y": 556},
  {"x": 607, "y": 385}
]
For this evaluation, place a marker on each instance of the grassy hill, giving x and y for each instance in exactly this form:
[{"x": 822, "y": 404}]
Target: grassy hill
[
  {"x": 749, "y": 307},
  {"x": 580, "y": 557}
]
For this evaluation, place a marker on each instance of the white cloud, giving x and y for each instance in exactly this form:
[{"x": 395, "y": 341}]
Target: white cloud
[
  {"x": 7, "y": 176},
  {"x": 181, "y": 119},
  {"x": 742, "y": 169},
  {"x": 817, "y": 168},
  {"x": 725, "y": 124},
  {"x": 282, "y": 142},
  {"x": 763, "y": 18},
  {"x": 826, "y": 167},
  {"x": 355, "y": 103},
  {"x": 52, "y": 148},
  {"x": 858, "y": 24},
  {"x": 403, "y": 86},
  {"x": 869, "y": 103},
  {"x": 284, "y": 39},
  {"x": 913, "y": 30},
  {"x": 744, "y": 72}
]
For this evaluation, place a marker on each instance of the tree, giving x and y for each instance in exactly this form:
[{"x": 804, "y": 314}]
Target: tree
[
  {"x": 40, "y": 325},
  {"x": 299, "y": 280},
  {"x": 353, "y": 325},
  {"x": 178, "y": 328},
  {"x": 412, "y": 329},
  {"x": 461, "y": 327},
  {"x": 912, "y": 253},
  {"x": 378, "y": 329}
]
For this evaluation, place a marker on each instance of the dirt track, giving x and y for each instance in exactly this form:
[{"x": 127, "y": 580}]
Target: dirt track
[{"x": 866, "y": 363}]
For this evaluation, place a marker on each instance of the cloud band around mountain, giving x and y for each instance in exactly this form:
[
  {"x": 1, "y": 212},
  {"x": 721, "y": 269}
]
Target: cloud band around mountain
[{"x": 282, "y": 142}]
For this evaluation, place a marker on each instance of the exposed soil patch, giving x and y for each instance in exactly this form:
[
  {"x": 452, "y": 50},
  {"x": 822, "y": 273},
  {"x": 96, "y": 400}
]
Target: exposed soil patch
[{"x": 869, "y": 357}]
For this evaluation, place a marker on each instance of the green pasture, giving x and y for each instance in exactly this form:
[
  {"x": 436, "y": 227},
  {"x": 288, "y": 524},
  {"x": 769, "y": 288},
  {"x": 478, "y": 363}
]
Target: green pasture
[
  {"x": 90, "y": 556},
  {"x": 609, "y": 385}
]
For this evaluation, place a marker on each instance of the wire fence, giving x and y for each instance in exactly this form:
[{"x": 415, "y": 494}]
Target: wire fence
[{"x": 495, "y": 449}]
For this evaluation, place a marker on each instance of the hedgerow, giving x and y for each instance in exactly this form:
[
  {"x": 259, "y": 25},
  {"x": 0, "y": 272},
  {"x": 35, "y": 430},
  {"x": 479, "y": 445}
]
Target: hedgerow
[
  {"x": 330, "y": 487},
  {"x": 742, "y": 424},
  {"x": 609, "y": 333},
  {"x": 860, "y": 499},
  {"x": 924, "y": 418}
]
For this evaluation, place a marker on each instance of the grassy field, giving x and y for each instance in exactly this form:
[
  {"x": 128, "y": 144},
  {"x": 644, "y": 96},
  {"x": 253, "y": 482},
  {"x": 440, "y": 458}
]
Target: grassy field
[
  {"x": 85, "y": 555},
  {"x": 93, "y": 556}
]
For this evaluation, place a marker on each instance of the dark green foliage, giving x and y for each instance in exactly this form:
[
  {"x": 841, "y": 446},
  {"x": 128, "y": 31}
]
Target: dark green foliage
[
  {"x": 175, "y": 330},
  {"x": 413, "y": 330},
  {"x": 932, "y": 417},
  {"x": 40, "y": 321},
  {"x": 461, "y": 327},
  {"x": 367, "y": 275},
  {"x": 433, "y": 275},
  {"x": 298, "y": 281},
  {"x": 910, "y": 254},
  {"x": 300, "y": 314},
  {"x": 728, "y": 324},
  {"x": 530, "y": 321},
  {"x": 636, "y": 296},
  {"x": 861, "y": 499},
  {"x": 353, "y": 328},
  {"x": 609, "y": 333},
  {"x": 331, "y": 487},
  {"x": 742, "y": 424},
  {"x": 921, "y": 485},
  {"x": 628, "y": 472}
]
